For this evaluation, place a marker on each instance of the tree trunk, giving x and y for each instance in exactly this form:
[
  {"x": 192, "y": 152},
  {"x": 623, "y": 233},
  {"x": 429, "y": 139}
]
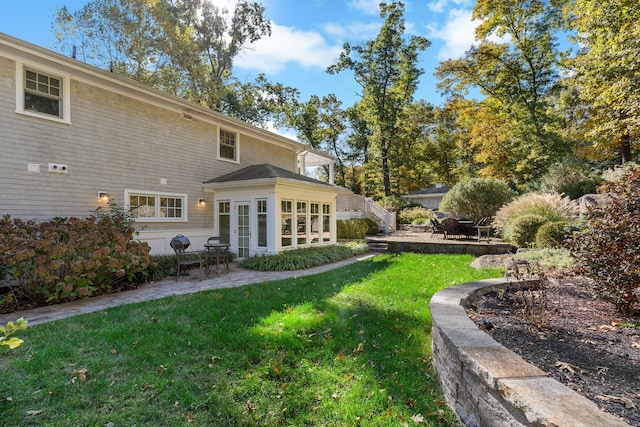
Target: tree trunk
[
  {"x": 385, "y": 170},
  {"x": 625, "y": 148}
]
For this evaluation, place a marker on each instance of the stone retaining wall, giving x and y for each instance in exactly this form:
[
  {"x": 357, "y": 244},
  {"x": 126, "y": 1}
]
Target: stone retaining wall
[{"x": 487, "y": 384}]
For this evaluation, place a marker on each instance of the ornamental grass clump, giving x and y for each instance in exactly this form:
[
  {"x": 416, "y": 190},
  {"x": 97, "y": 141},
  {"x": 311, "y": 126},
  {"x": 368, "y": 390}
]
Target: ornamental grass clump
[{"x": 551, "y": 206}]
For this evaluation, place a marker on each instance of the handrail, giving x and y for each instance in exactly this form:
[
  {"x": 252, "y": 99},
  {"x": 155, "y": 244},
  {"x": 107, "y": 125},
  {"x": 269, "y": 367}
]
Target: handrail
[{"x": 388, "y": 218}]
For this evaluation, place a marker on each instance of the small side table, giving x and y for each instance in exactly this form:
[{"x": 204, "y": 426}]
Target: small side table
[{"x": 484, "y": 232}]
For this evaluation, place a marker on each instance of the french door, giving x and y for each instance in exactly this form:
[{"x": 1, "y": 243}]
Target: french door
[{"x": 243, "y": 228}]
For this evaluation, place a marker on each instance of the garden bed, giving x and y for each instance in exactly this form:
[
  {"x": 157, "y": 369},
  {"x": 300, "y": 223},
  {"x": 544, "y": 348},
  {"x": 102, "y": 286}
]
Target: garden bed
[{"x": 579, "y": 340}]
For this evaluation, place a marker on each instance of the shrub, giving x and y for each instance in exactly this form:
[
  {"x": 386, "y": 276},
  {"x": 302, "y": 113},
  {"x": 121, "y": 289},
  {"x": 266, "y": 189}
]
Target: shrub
[
  {"x": 420, "y": 222},
  {"x": 372, "y": 226},
  {"x": 351, "y": 228},
  {"x": 570, "y": 177},
  {"x": 555, "y": 234},
  {"x": 525, "y": 227},
  {"x": 559, "y": 258},
  {"x": 298, "y": 259},
  {"x": 162, "y": 266},
  {"x": 607, "y": 249},
  {"x": 551, "y": 206},
  {"x": 476, "y": 198},
  {"x": 65, "y": 259},
  {"x": 409, "y": 215}
]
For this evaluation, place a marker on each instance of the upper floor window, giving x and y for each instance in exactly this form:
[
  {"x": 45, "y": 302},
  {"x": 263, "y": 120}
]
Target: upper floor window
[
  {"x": 228, "y": 146},
  {"x": 42, "y": 93},
  {"x": 157, "y": 207}
]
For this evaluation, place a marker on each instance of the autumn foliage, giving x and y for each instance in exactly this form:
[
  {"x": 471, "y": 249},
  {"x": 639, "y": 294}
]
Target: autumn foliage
[
  {"x": 65, "y": 259},
  {"x": 608, "y": 248}
]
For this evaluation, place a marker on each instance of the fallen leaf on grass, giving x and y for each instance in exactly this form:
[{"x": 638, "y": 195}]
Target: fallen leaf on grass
[
  {"x": 359, "y": 349},
  {"x": 34, "y": 412},
  {"x": 81, "y": 374},
  {"x": 250, "y": 407},
  {"x": 418, "y": 418},
  {"x": 628, "y": 403},
  {"x": 566, "y": 366}
]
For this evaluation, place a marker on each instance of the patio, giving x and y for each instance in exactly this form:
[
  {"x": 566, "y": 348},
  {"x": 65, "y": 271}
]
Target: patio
[{"x": 424, "y": 242}]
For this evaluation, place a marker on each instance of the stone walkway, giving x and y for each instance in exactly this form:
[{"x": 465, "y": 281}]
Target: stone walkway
[{"x": 164, "y": 288}]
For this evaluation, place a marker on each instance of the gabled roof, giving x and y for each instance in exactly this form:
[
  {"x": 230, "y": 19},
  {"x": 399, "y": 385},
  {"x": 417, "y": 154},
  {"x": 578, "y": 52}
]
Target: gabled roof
[
  {"x": 263, "y": 171},
  {"x": 431, "y": 191}
]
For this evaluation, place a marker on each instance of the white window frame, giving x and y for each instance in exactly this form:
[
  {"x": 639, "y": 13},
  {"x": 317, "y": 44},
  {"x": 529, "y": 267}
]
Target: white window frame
[
  {"x": 157, "y": 194},
  {"x": 65, "y": 97},
  {"x": 262, "y": 211},
  {"x": 236, "y": 146},
  {"x": 227, "y": 213}
]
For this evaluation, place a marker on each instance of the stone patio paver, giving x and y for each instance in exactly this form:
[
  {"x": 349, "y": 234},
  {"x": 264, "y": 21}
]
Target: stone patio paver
[{"x": 164, "y": 288}]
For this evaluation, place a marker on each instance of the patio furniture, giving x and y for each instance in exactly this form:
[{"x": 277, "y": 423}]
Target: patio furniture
[
  {"x": 186, "y": 260},
  {"x": 217, "y": 252},
  {"x": 451, "y": 227},
  {"x": 467, "y": 228},
  {"x": 436, "y": 227},
  {"x": 484, "y": 230}
]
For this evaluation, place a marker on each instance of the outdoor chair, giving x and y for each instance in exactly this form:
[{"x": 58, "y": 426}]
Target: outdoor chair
[
  {"x": 451, "y": 227},
  {"x": 186, "y": 259},
  {"x": 436, "y": 227}
]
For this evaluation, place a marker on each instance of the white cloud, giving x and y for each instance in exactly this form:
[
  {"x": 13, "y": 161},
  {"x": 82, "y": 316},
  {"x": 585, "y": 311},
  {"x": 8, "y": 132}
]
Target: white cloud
[
  {"x": 354, "y": 32},
  {"x": 287, "y": 133},
  {"x": 288, "y": 45},
  {"x": 370, "y": 7},
  {"x": 457, "y": 33},
  {"x": 439, "y": 6}
]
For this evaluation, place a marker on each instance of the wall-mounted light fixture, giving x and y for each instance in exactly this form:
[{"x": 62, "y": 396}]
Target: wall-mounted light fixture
[
  {"x": 202, "y": 202},
  {"x": 103, "y": 196}
]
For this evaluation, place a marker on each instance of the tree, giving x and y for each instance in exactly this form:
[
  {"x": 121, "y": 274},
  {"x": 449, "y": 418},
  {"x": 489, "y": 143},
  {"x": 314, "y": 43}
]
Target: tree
[
  {"x": 517, "y": 76},
  {"x": 606, "y": 70},
  {"x": 386, "y": 69},
  {"x": 183, "y": 47}
]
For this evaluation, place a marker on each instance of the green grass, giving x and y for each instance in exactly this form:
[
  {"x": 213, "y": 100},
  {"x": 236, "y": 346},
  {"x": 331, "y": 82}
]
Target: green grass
[{"x": 348, "y": 347}]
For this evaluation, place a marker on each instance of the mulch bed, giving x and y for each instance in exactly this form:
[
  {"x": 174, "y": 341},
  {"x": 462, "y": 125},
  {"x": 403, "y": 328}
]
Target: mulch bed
[{"x": 577, "y": 338}]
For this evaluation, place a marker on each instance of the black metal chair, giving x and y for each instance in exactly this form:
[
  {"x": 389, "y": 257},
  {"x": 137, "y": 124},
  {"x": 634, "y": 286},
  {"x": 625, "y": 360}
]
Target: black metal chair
[
  {"x": 436, "y": 227},
  {"x": 187, "y": 260}
]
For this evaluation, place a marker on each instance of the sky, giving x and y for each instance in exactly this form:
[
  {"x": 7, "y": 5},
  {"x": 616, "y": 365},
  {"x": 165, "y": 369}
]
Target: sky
[{"x": 307, "y": 37}]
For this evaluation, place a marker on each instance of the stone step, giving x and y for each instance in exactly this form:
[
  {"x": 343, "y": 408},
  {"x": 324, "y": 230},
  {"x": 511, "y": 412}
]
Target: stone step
[{"x": 379, "y": 247}]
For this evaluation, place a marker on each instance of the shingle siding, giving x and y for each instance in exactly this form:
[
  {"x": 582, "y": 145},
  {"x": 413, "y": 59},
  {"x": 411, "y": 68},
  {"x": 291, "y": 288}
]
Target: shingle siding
[
  {"x": 119, "y": 136},
  {"x": 114, "y": 143}
]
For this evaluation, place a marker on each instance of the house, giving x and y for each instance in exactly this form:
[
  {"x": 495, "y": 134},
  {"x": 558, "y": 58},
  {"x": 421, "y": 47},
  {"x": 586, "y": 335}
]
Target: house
[
  {"x": 74, "y": 137},
  {"x": 430, "y": 197}
]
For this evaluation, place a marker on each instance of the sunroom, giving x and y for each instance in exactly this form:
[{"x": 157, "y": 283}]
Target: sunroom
[{"x": 264, "y": 209}]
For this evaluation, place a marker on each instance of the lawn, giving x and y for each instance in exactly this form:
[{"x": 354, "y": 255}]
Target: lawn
[{"x": 348, "y": 347}]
